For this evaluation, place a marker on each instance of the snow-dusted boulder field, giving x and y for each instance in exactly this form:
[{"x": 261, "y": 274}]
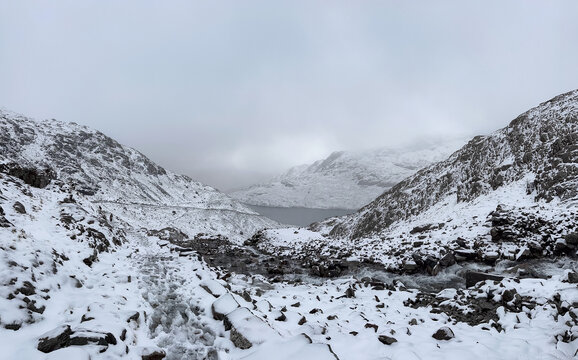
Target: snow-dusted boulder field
[{"x": 105, "y": 255}]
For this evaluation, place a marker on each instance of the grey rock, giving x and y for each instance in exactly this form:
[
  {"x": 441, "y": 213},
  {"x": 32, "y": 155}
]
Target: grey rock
[
  {"x": 444, "y": 333},
  {"x": 19, "y": 208},
  {"x": 387, "y": 340}
]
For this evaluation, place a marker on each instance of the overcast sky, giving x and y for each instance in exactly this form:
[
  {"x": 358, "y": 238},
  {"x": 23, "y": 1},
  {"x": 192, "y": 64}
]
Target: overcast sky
[{"x": 232, "y": 92}]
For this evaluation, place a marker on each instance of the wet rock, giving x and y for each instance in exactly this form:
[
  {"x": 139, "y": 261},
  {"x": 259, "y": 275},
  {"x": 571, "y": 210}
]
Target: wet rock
[
  {"x": 19, "y": 208},
  {"x": 447, "y": 260},
  {"x": 420, "y": 229},
  {"x": 473, "y": 277},
  {"x": 444, "y": 333},
  {"x": 387, "y": 340},
  {"x": 410, "y": 266}
]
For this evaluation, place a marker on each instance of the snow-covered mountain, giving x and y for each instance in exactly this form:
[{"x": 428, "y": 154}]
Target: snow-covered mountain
[
  {"x": 345, "y": 179},
  {"x": 83, "y": 279},
  {"x": 511, "y": 195},
  {"x": 121, "y": 179},
  {"x": 540, "y": 146}
]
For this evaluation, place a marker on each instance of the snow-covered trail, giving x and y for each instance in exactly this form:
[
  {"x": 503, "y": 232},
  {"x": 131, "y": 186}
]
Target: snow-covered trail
[{"x": 178, "y": 321}]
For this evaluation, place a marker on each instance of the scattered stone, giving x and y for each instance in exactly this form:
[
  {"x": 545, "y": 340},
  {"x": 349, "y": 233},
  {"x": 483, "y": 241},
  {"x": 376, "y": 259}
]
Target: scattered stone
[
  {"x": 55, "y": 339},
  {"x": 302, "y": 321},
  {"x": 350, "y": 293},
  {"x": 27, "y": 288},
  {"x": 19, "y": 208},
  {"x": 387, "y": 340},
  {"x": 444, "y": 333},
  {"x": 14, "y": 326},
  {"x": 371, "y": 326},
  {"x": 573, "y": 277},
  {"x": 153, "y": 354}
]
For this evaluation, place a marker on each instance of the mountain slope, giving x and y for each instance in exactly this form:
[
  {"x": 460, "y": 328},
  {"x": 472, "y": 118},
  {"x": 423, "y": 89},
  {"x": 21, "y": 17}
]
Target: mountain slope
[
  {"x": 121, "y": 178},
  {"x": 511, "y": 195},
  {"x": 541, "y": 144},
  {"x": 345, "y": 179}
]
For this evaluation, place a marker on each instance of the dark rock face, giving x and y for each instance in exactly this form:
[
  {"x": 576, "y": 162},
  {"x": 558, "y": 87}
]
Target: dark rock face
[
  {"x": 34, "y": 177},
  {"x": 541, "y": 141}
]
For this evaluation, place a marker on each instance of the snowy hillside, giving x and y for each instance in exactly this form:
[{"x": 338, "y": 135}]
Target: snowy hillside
[
  {"x": 540, "y": 145},
  {"x": 509, "y": 196},
  {"x": 121, "y": 179},
  {"x": 78, "y": 283},
  {"x": 100, "y": 257},
  {"x": 345, "y": 179}
]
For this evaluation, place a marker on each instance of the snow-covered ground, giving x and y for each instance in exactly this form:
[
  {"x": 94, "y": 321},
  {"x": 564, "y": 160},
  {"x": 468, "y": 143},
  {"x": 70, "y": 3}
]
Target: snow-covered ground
[
  {"x": 121, "y": 179},
  {"x": 345, "y": 179},
  {"x": 141, "y": 296}
]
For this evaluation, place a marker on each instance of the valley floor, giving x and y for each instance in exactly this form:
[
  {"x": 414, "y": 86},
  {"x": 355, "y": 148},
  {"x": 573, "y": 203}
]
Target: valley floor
[{"x": 152, "y": 297}]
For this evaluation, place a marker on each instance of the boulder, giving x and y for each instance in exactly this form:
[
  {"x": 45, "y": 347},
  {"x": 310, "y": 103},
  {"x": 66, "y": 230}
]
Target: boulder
[
  {"x": 474, "y": 277},
  {"x": 247, "y": 329},
  {"x": 223, "y": 305},
  {"x": 152, "y": 353},
  {"x": 444, "y": 333},
  {"x": 19, "y": 208},
  {"x": 55, "y": 339},
  {"x": 386, "y": 340}
]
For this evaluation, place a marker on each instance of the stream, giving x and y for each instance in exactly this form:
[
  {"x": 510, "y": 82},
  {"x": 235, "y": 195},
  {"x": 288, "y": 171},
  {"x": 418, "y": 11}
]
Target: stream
[{"x": 220, "y": 253}]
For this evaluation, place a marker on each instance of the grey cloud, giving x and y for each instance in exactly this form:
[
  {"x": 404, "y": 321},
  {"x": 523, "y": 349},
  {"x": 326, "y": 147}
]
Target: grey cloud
[{"x": 232, "y": 92}]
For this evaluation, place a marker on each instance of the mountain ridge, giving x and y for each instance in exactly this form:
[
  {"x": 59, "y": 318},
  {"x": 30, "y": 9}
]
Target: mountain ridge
[
  {"x": 116, "y": 176},
  {"x": 541, "y": 140},
  {"x": 344, "y": 179}
]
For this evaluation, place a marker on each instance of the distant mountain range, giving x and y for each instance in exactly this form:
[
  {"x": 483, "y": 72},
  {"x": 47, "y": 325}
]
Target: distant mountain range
[{"x": 345, "y": 179}]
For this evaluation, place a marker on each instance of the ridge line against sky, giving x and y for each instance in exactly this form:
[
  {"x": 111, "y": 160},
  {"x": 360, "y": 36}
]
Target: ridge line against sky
[{"x": 233, "y": 93}]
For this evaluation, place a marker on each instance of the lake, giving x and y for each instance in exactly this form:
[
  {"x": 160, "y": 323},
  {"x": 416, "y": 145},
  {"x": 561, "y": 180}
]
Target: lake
[{"x": 297, "y": 215}]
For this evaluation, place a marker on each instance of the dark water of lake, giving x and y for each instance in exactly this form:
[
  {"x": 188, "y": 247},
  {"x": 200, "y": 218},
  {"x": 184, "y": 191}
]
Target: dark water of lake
[{"x": 297, "y": 215}]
